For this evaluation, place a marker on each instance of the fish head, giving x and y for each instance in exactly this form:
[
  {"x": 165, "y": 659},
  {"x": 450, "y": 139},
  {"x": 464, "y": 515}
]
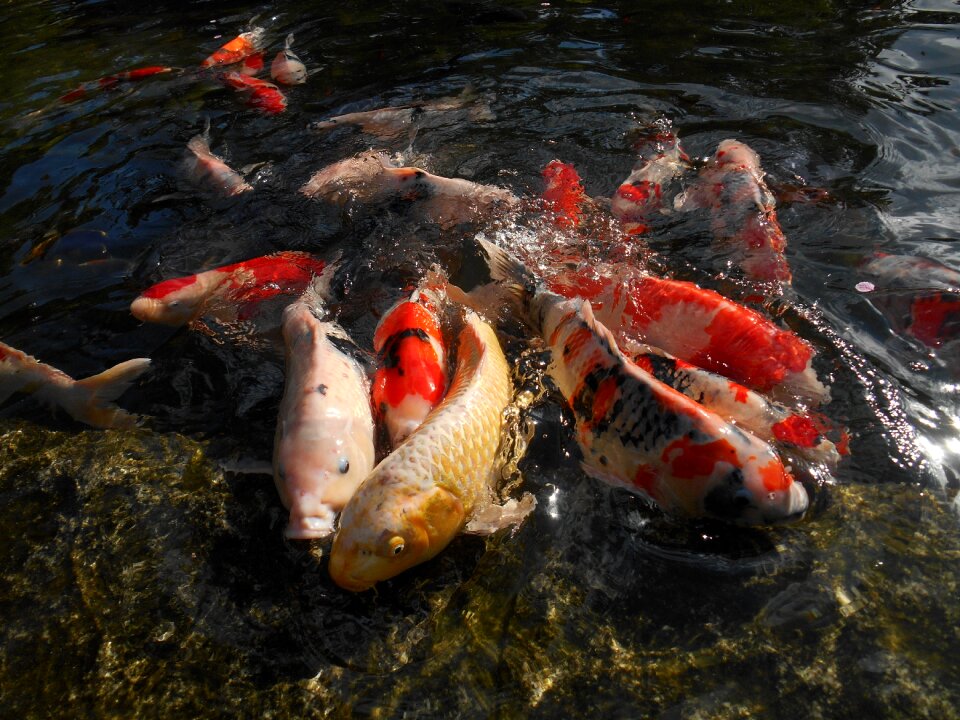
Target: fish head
[
  {"x": 772, "y": 498},
  {"x": 735, "y": 154},
  {"x": 171, "y": 302},
  {"x": 380, "y": 537}
]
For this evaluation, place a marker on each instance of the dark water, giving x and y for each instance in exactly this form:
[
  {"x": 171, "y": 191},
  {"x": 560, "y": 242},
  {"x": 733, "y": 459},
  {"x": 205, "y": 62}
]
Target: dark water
[{"x": 141, "y": 579}]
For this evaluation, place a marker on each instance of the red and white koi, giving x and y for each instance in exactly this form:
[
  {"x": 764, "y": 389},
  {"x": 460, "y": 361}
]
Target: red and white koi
[
  {"x": 205, "y": 168},
  {"x": 701, "y": 327},
  {"x": 372, "y": 178},
  {"x": 229, "y": 292},
  {"x": 242, "y": 46},
  {"x": 89, "y": 400},
  {"x": 109, "y": 81},
  {"x": 252, "y": 64},
  {"x": 324, "y": 444},
  {"x": 421, "y": 495},
  {"x": 638, "y": 433},
  {"x": 411, "y": 375},
  {"x": 262, "y": 95},
  {"x": 770, "y": 421},
  {"x": 640, "y": 196},
  {"x": 742, "y": 210},
  {"x": 286, "y": 68}
]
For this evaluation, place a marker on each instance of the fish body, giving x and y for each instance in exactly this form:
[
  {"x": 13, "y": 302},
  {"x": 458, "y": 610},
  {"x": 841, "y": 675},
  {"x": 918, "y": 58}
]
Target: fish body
[
  {"x": 324, "y": 444},
  {"x": 422, "y": 494},
  {"x": 767, "y": 420},
  {"x": 411, "y": 374},
  {"x": 88, "y": 400},
  {"x": 742, "y": 211},
  {"x": 252, "y": 64},
  {"x": 640, "y": 196},
  {"x": 243, "y": 45},
  {"x": 209, "y": 170},
  {"x": 261, "y": 94},
  {"x": 109, "y": 81},
  {"x": 286, "y": 68},
  {"x": 637, "y": 432},
  {"x": 372, "y": 178},
  {"x": 229, "y": 291},
  {"x": 701, "y": 327},
  {"x": 563, "y": 195}
]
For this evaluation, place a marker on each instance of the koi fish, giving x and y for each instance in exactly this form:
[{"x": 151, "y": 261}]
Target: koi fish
[
  {"x": 252, "y": 64},
  {"x": 228, "y": 292},
  {"x": 243, "y": 45},
  {"x": 263, "y": 95},
  {"x": 372, "y": 178},
  {"x": 637, "y": 432},
  {"x": 701, "y": 327},
  {"x": 422, "y": 494},
  {"x": 89, "y": 400},
  {"x": 392, "y": 121},
  {"x": 203, "y": 167},
  {"x": 920, "y": 296},
  {"x": 109, "y": 81},
  {"x": 411, "y": 374},
  {"x": 769, "y": 421},
  {"x": 563, "y": 194},
  {"x": 286, "y": 68},
  {"x": 323, "y": 448},
  {"x": 641, "y": 195},
  {"x": 742, "y": 210}
]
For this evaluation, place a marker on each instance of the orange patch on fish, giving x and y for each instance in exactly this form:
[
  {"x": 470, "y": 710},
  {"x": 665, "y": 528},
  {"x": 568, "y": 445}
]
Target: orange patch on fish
[
  {"x": 689, "y": 459},
  {"x": 775, "y": 476}
]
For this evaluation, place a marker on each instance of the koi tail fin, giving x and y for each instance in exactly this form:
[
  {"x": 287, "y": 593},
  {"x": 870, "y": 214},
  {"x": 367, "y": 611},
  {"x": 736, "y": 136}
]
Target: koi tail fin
[
  {"x": 512, "y": 274},
  {"x": 288, "y": 43},
  {"x": 91, "y": 400}
]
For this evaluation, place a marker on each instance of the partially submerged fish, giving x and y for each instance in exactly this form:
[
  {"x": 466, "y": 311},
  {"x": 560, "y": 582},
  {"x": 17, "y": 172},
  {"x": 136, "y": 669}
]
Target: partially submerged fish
[
  {"x": 742, "y": 211},
  {"x": 286, "y": 68},
  {"x": 324, "y": 444},
  {"x": 423, "y": 493},
  {"x": 228, "y": 292},
  {"x": 89, "y": 400},
  {"x": 243, "y": 45},
  {"x": 701, "y": 327},
  {"x": 261, "y": 94},
  {"x": 109, "y": 81},
  {"x": 637, "y": 432},
  {"x": 206, "y": 169},
  {"x": 563, "y": 195},
  {"x": 640, "y": 196},
  {"x": 372, "y": 178},
  {"x": 411, "y": 374}
]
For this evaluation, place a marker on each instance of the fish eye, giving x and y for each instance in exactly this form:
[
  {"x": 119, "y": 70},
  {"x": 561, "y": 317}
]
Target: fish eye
[
  {"x": 344, "y": 466},
  {"x": 396, "y": 545}
]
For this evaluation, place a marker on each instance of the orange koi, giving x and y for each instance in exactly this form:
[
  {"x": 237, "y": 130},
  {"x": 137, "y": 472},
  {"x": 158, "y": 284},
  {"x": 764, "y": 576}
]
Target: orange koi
[
  {"x": 263, "y": 95},
  {"x": 109, "y": 81},
  {"x": 243, "y": 45}
]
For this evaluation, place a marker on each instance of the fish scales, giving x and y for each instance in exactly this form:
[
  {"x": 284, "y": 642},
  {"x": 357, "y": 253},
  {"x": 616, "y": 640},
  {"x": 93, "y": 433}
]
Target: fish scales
[{"x": 421, "y": 495}]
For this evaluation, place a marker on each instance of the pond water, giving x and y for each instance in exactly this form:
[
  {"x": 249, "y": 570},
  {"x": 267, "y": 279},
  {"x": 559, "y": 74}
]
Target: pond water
[{"x": 141, "y": 578}]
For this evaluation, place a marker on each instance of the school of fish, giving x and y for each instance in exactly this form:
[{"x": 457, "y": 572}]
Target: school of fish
[{"x": 703, "y": 406}]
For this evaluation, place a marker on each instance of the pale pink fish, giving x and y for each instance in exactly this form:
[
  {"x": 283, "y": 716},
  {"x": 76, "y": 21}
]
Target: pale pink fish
[
  {"x": 286, "y": 68},
  {"x": 372, "y": 178},
  {"x": 89, "y": 400},
  {"x": 324, "y": 444},
  {"x": 208, "y": 170}
]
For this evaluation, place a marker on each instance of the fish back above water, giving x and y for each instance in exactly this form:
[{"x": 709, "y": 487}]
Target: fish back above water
[
  {"x": 286, "y": 67},
  {"x": 422, "y": 494}
]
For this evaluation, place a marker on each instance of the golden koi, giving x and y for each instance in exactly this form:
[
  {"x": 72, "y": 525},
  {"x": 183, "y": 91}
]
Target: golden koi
[{"x": 422, "y": 494}]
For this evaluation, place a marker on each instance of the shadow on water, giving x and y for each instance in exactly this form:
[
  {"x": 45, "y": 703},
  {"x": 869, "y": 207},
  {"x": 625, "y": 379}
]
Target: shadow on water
[{"x": 142, "y": 579}]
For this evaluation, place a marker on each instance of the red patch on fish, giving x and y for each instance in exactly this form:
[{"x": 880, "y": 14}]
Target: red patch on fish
[
  {"x": 282, "y": 273},
  {"x": 644, "y": 478},
  {"x": 740, "y": 393},
  {"x": 931, "y": 317},
  {"x": 233, "y": 51},
  {"x": 563, "y": 194},
  {"x": 775, "y": 476},
  {"x": 162, "y": 289},
  {"x": 799, "y": 430},
  {"x": 689, "y": 459},
  {"x": 604, "y": 398}
]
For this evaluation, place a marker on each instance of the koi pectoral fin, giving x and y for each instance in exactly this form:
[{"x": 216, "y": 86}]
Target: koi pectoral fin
[{"x": 492, "y": 518}]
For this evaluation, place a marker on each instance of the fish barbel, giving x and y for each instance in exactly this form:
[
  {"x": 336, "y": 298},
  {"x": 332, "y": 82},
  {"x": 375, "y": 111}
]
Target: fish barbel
[
  {"x": 422, "y": 494},
  {"x": 637, "y": 432},
  {"x": 88, "y": 400},
  {"x": 324, "y": 446}
]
